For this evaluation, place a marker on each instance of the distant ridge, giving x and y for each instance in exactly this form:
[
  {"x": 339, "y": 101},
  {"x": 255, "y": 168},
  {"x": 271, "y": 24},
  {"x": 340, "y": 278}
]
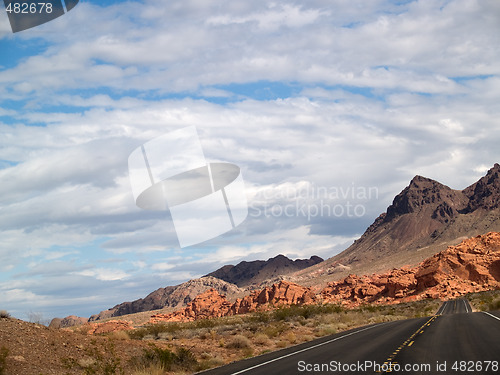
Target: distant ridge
[
  {"x": 174, "y": 297},
  {"x": 254, "y": 273}
]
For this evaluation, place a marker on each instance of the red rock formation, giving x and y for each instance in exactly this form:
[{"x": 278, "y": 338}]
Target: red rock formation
[
  {"x": 211, "y": 304},
  {"x": 284, "y": 293},
  {"x": 471, "y": 266}
]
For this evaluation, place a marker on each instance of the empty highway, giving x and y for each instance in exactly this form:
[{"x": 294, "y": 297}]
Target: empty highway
[{"x": 453, "y": 341}]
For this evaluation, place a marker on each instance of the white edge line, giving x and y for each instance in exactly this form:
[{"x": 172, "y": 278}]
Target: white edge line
[
  {"x": 303, "y": 350},
  {"x": 443, "y": 306},
  {"x": 467, "y": 306},
  {"x": 493, "y": 316}
]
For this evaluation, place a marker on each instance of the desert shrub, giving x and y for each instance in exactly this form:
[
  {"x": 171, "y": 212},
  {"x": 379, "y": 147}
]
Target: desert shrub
[
  {"x": 209, "y": 362},
  {"x": 4, "y": 314},
  {"x": 305, "y": 311},
  {"x": 157, "y": 358},
  {"x": 4, "y": 352},
  {"x": 291, "y": 338},
  {"x": 154, "y": 330},
  {"x": 307, "y": 338},
  {"x": 238, "y": 342},
  {"x": 283, "y": 313},
  {"x": 276, "y": 329},
  {"x": 259, "y": 317},
  {"x": 205, "y": 323},
  {"x": 151, "y": 370},
  {"x": 370, "y": 308},
  {"x": 261, "y": 339},
  {"x": 494, "y": 305},
  {"x": 185, "y": 358},
  {"x": 119, "y": 335},
  {"x": 96, "y": 362},
  {"x": 138, "y": 333},
  {"x": 325, "y": 330},
  {"x": 281, "y": 344}
]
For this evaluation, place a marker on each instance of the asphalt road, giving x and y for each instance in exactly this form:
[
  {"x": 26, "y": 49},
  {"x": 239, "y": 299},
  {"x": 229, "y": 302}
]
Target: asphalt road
[{"x": 454, "y": 341}]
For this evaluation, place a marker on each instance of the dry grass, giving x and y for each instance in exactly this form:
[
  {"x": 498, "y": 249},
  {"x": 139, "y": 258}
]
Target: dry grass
[
  {"x": 238, "y": 342},
  {"x": 151, "y": 370},
  {"x": 119, "y": 335},
  {"x": 261, "y": 339}
]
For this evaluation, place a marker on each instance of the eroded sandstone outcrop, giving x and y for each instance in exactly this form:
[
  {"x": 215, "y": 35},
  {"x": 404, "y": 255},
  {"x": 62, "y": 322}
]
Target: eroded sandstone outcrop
[
  {"x": 211, "y": 304},
  {"x": 471, "y": 266}
]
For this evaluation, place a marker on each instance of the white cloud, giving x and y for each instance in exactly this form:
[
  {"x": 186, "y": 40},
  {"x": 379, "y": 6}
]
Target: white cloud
[
  {"x": 161, "y": 52},
  {"x": 104, "y": 274},
  {"x": 273, "y": 18},
  {"x": 364, "y": 93},
  {"x": 162, "y": 266}
]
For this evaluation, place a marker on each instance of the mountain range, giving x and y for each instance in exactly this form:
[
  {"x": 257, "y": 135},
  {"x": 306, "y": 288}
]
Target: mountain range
[{"x": 424, "y": 219}]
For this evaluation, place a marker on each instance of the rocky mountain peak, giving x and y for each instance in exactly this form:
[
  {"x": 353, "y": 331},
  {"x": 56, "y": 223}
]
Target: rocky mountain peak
[
  {"x": 423, "y": 219},
  {"x": 485, "y": 193},
  {"x": 255, "y": 272},
  {"x": 421, "y": 192}
]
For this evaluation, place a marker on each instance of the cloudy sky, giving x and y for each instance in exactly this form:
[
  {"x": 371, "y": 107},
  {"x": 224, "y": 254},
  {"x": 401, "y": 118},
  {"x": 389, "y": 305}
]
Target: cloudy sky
[{"x": 328, "y": 107}]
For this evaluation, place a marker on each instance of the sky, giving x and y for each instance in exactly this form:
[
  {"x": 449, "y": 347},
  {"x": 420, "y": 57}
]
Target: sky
[{"x": 329, "y": 108}]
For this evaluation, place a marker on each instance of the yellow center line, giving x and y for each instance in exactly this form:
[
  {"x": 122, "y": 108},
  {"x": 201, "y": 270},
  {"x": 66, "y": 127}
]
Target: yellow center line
[{"x": 409, "y": 342}]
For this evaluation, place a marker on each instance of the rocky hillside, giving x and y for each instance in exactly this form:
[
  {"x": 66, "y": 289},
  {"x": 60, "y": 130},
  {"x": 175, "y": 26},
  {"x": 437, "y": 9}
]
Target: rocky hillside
[
  {"x": 33, "y": 349},
  {"x": 171, "y": 297},
  {"x": 423, "y": 219},
  {"x": 254, "y": 273},
  {"x": 471, "y": 266}
]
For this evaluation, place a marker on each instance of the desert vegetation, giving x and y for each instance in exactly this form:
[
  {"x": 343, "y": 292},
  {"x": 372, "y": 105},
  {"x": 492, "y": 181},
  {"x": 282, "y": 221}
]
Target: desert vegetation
[
  {"x": 485, "y": 301},
  {"x": 4, "y": 352},
  {"x": 214, "y": 342}
]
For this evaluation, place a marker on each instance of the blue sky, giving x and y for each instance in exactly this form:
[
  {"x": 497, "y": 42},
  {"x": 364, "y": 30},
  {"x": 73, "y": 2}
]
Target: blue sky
[{"x": 300, "y": 95}]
